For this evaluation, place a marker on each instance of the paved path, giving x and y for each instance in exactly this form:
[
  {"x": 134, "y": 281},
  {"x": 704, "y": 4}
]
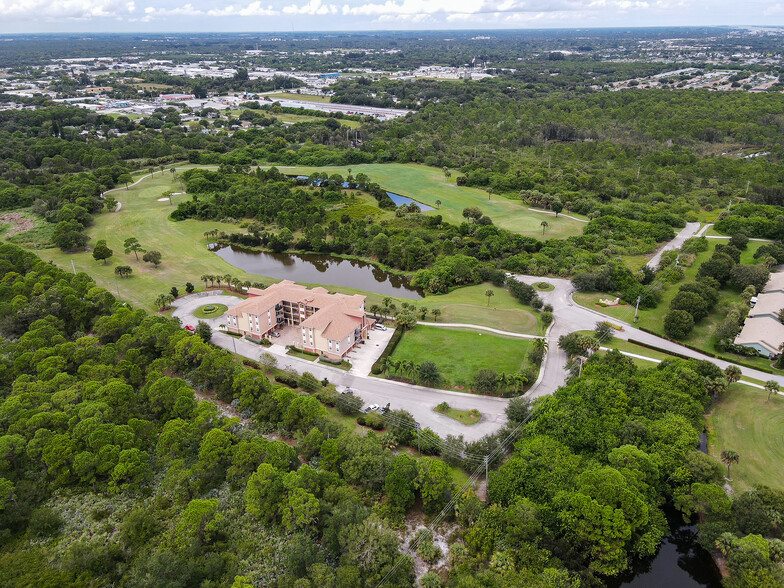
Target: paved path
[
  {"x": 709, "y": 225},
  {"x": 688, "y": 231},
  {"x": 579, "y": 220},
  {"x": 479, "y": 328}
]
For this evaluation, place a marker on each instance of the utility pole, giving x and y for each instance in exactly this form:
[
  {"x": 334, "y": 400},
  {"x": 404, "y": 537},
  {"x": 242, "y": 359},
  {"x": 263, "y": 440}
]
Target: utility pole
[
  {"x": 637, "y": 309},
  {"x": 748, "y": 183},
  {"x": 548, "y": 161},
  {"x": 73, "y": 266},
  {"x": 419, "y": 446},
  {"x": 486, "y": 469}
]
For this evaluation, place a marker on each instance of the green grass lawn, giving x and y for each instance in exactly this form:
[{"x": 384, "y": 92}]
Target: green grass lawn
[
  {"x": 202, "y": 313},
  {"x": 459, "y": 354},
  {"x": 295, "y": 96},
  {"x": 305, "y": 356},
  {"x": 461, "y": 416},
  {"x": 297, "y": 118},
  {"x": 744, "y": 421},
  {"x": 427, "y": 184},
  {"x": 544, "y": 286},
  {"x": 469, "y": 305}
]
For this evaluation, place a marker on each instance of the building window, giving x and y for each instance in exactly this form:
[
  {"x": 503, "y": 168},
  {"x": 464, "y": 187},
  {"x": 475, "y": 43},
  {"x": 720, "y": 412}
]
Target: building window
[
  {"x": 337, "y": 346},
  {"x": 330, "y": 344}
]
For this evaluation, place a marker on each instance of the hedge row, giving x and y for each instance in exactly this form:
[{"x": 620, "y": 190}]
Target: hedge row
[
  {"x": 288, "y": 380},
  {"x": 393, "y": 341}
]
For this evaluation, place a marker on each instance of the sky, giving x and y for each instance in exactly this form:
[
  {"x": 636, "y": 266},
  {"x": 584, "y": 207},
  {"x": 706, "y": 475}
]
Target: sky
[{"x": 93, "y": 16}]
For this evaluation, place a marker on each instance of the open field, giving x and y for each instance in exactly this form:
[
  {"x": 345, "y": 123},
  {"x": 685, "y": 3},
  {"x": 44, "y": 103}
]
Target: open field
[
  {"x": 186, "y": 258},
  {"x": 295, "y": 96},
  {"x": 459, "y": 354},
  {"x": 427, "y": 184},
  {"x": 297, "y": 118},
  {"x": 744, "y": 421},
  {"x": 469, "y": 305}
]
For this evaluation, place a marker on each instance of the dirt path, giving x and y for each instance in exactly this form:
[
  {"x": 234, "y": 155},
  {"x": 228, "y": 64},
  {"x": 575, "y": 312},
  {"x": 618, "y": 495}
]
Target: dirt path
[{"x": 19, "y": 222}]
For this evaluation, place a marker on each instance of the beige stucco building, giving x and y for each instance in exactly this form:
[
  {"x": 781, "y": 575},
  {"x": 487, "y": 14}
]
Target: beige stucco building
[{"x": 329, "y": 324}]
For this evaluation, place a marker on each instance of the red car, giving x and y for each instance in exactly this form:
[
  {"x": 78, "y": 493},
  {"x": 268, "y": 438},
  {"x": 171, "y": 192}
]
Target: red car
[{"x": 190, "y": 328}]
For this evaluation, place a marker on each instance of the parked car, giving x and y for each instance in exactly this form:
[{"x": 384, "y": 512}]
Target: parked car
[
  {"x": 274, "y": 334},
  {"x": 371, "y": 408},
  {"x": 508, "y": 274},
  {"x": 381, "y": 327},
  {"x": 190, "y": 328},
  {"x": 348, "y": 391}
]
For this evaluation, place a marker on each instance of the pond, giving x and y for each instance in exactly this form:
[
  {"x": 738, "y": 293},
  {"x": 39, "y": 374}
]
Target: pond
[
  {"x": 401, "y": 200},
  {"x": 318, "y": 269},
  {"x": 679, "y": 563}
]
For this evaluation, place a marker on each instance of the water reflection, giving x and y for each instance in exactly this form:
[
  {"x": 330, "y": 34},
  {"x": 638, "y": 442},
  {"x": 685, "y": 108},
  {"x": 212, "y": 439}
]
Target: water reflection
[
  {"x": 321, "y": 269},
  {"x": 679, "y": 563}
]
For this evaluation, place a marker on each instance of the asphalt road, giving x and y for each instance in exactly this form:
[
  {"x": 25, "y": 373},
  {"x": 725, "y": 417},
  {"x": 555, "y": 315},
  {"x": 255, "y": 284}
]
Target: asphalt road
[
  {"x": 688, "y": 231},
  {"x": 418, "y": 400}
]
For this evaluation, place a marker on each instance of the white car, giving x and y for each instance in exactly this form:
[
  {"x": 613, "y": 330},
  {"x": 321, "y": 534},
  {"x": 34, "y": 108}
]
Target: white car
[
  {"x": 508, "y": 274},
  {"x": 380, "y": 327},
  {"x": 372, "y": 407}
]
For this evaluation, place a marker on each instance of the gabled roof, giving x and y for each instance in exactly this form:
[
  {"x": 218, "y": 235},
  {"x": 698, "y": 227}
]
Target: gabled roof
[
  {"x": 768, "y": 304},
  {"x": 775, "y": 283}
]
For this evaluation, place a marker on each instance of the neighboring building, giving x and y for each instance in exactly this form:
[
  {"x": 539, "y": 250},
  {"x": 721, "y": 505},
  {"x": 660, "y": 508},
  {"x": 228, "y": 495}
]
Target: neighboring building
[
  {"x": 762, "y": 329},
  {"x": 177, "y": 96},
  {"x": 329, "y": 324}
]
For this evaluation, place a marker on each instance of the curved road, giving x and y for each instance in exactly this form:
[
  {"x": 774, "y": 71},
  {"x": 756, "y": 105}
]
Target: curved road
[{"x": 420, "y": 401}]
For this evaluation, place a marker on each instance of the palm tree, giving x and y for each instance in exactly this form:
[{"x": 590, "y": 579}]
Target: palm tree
[
  {"x": 733, "y": 373},
  {"x": 247, "y": 284},
  {"x": 489, "y": 191},
  {"x": 205, "y": 277},
  {"x": 716, "y": 386},
  {"x": 729, "y": 457},
  {"x": 771, "y": 387},
  {"x": 375, "y": 309},
  {"x": 423, "y": 312},
  {"x": 218, "y": 279},
  {"x": 503, "y": 382},
  {"x": 519, "y": 381},
  {"x": 212, "y": 280},
  {"x": 438, "y": 204},
  {"x": 541, "y": 344},
  {"x": 387, "y": 303},
  {"x": 544, "y": 226},
  {"x": 227, "y": 278},
  {"x": 436, "y": 313},
  {"x": 489, "y": 293}
]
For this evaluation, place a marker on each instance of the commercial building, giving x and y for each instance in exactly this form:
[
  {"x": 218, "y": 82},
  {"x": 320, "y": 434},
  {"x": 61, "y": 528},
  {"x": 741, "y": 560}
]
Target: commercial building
[{"x": 327, "y": 324}]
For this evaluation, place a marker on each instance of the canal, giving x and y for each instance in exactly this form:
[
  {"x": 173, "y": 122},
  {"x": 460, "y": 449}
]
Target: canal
[{"x": 318, "y": 269}]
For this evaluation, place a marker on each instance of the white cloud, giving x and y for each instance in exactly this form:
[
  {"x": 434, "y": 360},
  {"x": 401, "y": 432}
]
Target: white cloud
[
  {"x": 312, "y": 8},
  {"x": 65, "y": 9},
  {"x": 462, "y": 9}
]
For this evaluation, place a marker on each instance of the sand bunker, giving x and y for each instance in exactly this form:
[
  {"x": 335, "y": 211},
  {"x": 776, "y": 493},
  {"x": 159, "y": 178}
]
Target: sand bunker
[{"x": 164, "y": 199}]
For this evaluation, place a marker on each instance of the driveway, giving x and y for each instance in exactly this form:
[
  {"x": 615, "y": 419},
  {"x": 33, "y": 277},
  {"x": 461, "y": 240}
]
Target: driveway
[
  {"x": 688, "y": 231},
  {"x": 362, "y": 357},
  {"x": 185, "y": 307}
]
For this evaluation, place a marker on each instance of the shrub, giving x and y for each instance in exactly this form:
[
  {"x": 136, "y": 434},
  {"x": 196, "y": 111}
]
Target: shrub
[
  {"x": 252, "y": 340},
  {"x": 372, "y": 419},
  {"x": 443, "y": 407},
  {"x": 678, "y": 324},
  {"x": 251, "y": 363},
  {"x": 289, "y": 380}
]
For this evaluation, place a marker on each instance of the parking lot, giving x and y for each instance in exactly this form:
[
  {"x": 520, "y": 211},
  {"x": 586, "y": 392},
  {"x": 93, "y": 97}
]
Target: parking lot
[{"x": 363, "y": 356}]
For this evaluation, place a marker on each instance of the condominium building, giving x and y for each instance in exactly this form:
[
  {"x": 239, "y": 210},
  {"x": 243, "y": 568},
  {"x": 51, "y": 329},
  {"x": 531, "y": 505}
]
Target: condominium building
[{"x": 328, "y": 324}]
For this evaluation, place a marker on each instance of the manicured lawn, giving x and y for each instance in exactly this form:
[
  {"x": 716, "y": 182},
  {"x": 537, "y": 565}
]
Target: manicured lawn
[
  {"x": 744, "y": 421},
  {"x": 295, "y": 96},
  {"x": 427, "y": 184},
  {"x": 459, "y": 354},
  {"x": 298, "y": 118},
  {"x": 461, "y": 416},
  {"x": 217, "y": 310},
  {"x": 305, "y": 356},
  {"x": 544, "y": 286},
  {"x": 469, "y": 305},
  {"x": 183, "y": 245}
]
